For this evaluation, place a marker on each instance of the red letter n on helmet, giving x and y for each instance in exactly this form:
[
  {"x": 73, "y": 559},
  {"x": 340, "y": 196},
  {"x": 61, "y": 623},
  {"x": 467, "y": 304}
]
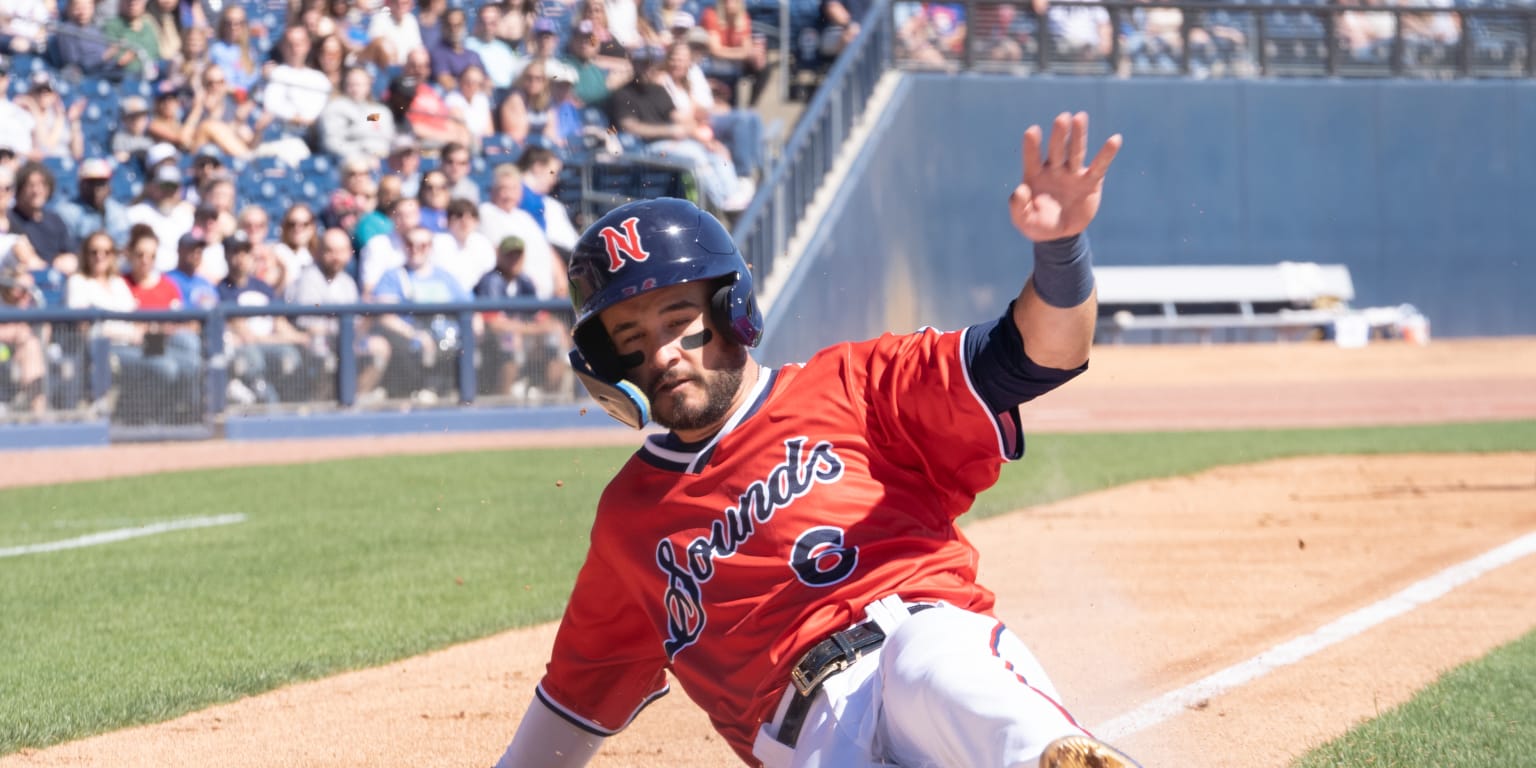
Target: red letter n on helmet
[{"x": 625, "y": 243}]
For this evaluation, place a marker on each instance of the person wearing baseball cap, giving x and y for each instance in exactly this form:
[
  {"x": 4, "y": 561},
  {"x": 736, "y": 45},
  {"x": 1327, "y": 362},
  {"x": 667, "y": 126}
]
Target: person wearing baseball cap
[
  {"x": 93, "y": 207},
  {"x": 197, "y": 291}
]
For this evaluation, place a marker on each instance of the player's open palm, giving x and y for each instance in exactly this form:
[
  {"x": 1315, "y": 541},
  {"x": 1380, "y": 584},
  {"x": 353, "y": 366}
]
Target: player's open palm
[{"x": 1060, "y": 195}]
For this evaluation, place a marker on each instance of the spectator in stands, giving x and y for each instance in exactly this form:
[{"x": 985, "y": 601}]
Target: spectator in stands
[
  {"x": 15, "y": 121},
  {"x": 404, "y": 163},
  {"x": 56, "y": 128},
  {"x": 462, "y": 251},
  {"x": 134, "y": 33},
  {"x": 94, "y": 209},
  {"x": 433, "y": 200},
  {"x": 165, "y": 123},
  {"x": 325, "y": 281},
  {"x": 171, "y": 354},
  {"x": 514, "y": 342},
  {"x": 429, "y": 17},
  {"x": 80, "y": 46},
  {"x": 353, "y": 124},
  {"x": 597, "y": 76},
  {"x": 386, "y": 251},
  {"x": 421, "y": 346},
  {"x": 529, "y": 108},
  {"x": 623, "y": 21},
  {"x": 219, "y": 197},
  {"x": 503, "y": 217},
  {"x": 267, "y": 348},
  {"x": 194, "y": 59},
  {"x": 254, "y": 222},
  {"x": 392, "y": 35},
  {"x": 25, "y": 24},
  {"x": 645, "y": 109},
  {"x": 371, "y": 219},
  {"x": 350, "y": 24},
  {"x": 929, "y": 34},
  {"x": 100, "y": 285},
  {"x": 235, "y": 51},
  {"x": 197, "y": 291},
  {"x": 294, "y": 92},
  {"x": 22, "y": 342},
  {"x": 7, "y": 200},
  {"x": 205, "y": 225},
  {"x": 457, "y": 165},
  {"x": 297, "y": 243},
  {"x": 500, "y": 60},
  {"x": 546, "y": 40},
  {"x": 43, "y": 228},
  {"x": 161, "y": 208},
  {"x": 1079, "y": 32},
  {"x": 1365, "y": 32},
  {"x": 448, "y": 55},
  {"x": 738, "y": 131},
  {"x": 471, "y": 103},
  {"x": 732, "y": 43},
  {"x": 219, "y": 117},
  {"x": 207, "y": 165},
  {"x": 595, "y": 15},
  {"x": 166, "y": 14},
  {"x": 132, "y": 139},
  {"x": 671, "y": 19},
  {"x": 541, "y": 174},
  {"x": 516, "y": 24},
  {"x": 329, "y": 58},
  {"x": 426, "y": 114}
]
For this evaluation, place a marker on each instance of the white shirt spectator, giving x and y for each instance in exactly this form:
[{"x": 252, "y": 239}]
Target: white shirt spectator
[
  {"x": 310, "y": 288},
  {"x": 538, "y": 257},
  {"x": 476, "y": 113},
  {"x": 501, "y": 62},
  {"x": 405, "y": 35},
  {"x": 168, "y": 228},
  {"x": 467, "y": 261},
  {"x": 296, "y": 94},
  {"x": 16, "y": 127},
  {"x": 379, "y": 255},
  {"x": 624, "y": 22}
]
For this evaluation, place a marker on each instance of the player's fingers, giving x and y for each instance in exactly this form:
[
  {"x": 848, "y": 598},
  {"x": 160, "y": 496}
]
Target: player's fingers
[
  {"x": 1077, "y": 145},
  {"x": 1021, "y": 194},
  {"x": 1058, "y": 145},
  {"x": 1105, "y": 156},
  {"x": 1031, "y": 150}
]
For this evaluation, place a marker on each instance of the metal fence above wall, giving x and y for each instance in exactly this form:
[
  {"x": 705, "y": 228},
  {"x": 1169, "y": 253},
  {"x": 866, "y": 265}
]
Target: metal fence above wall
[
  {"x": 1303, "y": 39},
  {"x": 189, "y": 369}
]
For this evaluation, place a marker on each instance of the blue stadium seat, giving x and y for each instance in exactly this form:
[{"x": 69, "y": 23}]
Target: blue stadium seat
[{"x": 125, "y": 182}]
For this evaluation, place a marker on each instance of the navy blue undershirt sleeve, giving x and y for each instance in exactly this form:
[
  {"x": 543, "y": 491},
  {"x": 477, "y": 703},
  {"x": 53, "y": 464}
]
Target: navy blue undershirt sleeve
[{"x": 1001, "y": 370}]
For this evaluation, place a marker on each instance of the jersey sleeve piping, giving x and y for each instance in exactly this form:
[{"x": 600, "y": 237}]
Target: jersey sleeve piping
[
  {"x": 1007, "y": 426},
  {"x": 587, "y": 725}
]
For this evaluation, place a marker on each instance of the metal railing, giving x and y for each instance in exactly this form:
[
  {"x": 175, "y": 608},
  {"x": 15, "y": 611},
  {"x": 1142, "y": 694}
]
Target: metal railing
[
  {"x": 207, "y": 364},
  {"x": 766, "y": 227}
]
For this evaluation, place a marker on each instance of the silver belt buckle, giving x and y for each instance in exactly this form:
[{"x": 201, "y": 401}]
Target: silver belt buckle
[{"x": 807, "y": 685}]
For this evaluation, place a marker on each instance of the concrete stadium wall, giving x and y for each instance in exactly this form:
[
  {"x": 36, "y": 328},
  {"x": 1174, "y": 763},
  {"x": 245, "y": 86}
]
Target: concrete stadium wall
[{"x": 1426, "y": 190}]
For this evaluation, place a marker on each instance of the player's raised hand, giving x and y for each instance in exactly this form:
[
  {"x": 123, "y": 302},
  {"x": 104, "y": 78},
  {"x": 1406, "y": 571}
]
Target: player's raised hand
[{"x": 1059, "y": 195}]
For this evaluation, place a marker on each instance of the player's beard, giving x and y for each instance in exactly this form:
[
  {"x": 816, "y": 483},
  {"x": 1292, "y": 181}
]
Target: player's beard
[{"x": 720, "y": 386}]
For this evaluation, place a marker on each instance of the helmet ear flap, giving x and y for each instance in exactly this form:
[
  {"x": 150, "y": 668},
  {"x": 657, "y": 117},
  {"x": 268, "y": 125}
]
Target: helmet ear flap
[
  {"x": 735, "y": 311},
  {"x": 601, "y": 356}
]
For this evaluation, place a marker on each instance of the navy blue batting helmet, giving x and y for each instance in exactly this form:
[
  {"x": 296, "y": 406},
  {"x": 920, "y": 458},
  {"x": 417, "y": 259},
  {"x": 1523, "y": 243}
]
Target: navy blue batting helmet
[{"x": 650, "y": 244}]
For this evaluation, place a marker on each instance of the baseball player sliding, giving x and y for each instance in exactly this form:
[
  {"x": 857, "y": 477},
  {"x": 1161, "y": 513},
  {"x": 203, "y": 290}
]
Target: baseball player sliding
[{"x": 789, "y": 549}]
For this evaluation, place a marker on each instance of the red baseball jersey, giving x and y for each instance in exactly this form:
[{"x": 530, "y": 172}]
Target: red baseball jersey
[{"x": 836, "y": 484}]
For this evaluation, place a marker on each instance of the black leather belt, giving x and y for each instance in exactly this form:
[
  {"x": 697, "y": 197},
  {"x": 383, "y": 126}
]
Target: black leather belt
[{"x": 825, "y": 659}]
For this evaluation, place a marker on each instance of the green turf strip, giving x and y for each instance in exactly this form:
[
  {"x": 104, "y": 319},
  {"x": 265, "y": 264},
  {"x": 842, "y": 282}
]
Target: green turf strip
[
  {"x": 1480, "y": 715},
  {"x": 348, "y": 564}
]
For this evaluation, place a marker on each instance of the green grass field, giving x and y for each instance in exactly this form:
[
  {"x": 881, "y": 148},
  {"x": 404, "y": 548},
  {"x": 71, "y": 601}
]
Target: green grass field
[{"x": 355, "y": 563}]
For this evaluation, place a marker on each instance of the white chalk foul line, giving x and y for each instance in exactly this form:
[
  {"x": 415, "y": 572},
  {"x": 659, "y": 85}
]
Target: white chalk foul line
[
  {"x": 1174, "y": 702},
  {"x": 121, "y": 534}
]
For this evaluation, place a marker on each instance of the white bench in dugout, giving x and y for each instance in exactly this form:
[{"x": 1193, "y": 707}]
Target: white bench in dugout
[{"x": 1287, "y": 299}]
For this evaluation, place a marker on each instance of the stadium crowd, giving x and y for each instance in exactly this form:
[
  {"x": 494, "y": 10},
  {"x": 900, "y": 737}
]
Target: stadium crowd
[{"x": 162, "y": 154}]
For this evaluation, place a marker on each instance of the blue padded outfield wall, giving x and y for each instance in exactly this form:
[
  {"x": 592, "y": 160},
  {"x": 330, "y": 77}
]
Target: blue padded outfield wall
[{"x": 1426, "y": 190}]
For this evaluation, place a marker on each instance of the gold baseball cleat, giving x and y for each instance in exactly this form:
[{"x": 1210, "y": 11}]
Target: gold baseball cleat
[{"x": 1084, "y": 752}]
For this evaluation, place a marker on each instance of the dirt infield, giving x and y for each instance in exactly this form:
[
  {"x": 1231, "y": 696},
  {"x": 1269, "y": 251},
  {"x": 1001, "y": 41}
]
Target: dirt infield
[{"x": 1124, "y": 594}]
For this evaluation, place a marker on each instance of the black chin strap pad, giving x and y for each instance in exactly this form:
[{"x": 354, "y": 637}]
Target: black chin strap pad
[{"x": 621, "y": 399}]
